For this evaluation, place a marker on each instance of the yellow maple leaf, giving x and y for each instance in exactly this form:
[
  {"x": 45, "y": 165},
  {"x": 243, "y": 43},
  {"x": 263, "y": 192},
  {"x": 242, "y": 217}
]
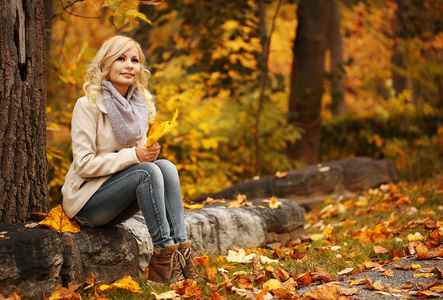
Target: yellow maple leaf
[
  {"x": 157, "y": 131},
  {"x": 57, "y": 220},
  {"x": 125, "y": 283}
]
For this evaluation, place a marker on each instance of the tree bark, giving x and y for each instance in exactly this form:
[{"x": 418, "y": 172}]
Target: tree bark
[
  {"x": 399, "y": 81},
  {"x": 307, "y": 76},
  {"x": 337, "y": 69},
  {"x": 23, "y": 165}
]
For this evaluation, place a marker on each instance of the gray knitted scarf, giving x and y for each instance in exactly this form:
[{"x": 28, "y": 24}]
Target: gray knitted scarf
[{"x": 129, "y": 116}]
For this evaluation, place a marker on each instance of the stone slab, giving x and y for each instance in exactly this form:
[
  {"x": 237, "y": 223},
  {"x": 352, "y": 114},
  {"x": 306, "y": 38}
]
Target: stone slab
[{"x": 309, "y": 185}]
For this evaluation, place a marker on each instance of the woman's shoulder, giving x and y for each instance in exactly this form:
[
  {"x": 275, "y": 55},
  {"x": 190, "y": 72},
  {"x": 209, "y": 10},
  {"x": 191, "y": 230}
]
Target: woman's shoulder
[{"x": 85, "y": 104}]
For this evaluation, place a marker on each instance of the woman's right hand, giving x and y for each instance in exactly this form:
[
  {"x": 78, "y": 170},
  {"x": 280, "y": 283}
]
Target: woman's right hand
[{"x": 146, "y": 154}]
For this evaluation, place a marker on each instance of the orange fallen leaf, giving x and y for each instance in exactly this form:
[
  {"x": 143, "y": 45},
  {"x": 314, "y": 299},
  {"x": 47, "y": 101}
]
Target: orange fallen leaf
[
  {"x": 437, "y": 289},
  {"x": 193, "y": 291},
  {"x": 126, "y": 284},
  {"x": 245, "y": 283},
  {"x": 380, "y": 250},
  {"x": 65, "y": 293},
  {"x": 421, "y": 200},
  {"x": 388, "y": 273},
  {"x": 211, "y": 274},
  {"x": 422, "y": 275},
  {"x": 201, "y": 260},
  {"x": 423, "y": 253},
  {"x": 57, "y": 220},
  {"x": 324, "y": 292},
  {"x": 157, "y": 131},
  {"x": 192, "y": 206},
  {"x": 216, "y": 296}
]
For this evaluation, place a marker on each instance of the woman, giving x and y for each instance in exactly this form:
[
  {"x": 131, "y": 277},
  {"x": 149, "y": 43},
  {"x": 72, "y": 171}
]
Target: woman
[{"x": 113, "y": 174}]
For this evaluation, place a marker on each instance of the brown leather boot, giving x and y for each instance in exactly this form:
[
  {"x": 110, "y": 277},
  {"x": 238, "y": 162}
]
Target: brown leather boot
[
  {"x": 189, "y": 270},
  {"x": 166, "y": 265}
]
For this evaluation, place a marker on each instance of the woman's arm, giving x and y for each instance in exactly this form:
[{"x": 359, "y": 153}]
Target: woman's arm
[{"x": 85, "y": 149}]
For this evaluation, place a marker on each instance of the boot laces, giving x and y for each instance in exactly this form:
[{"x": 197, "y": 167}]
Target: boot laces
[
  {"x": 177, "y": 263},
  {"x": 189, "y": 256}
]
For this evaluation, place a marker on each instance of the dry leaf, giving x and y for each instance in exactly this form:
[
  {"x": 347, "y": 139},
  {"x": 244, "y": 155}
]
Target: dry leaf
[
  {"x": 57, "y": 220},
  {"x": 388, "y": 273},
  {"x": 157, "y": 131},
  {"x": 201, "y": 260},
  {"x": 216, "y": 296},
  {"x": 380, "y": 250},
  {"x": 245, "y": 283},
  {"x": 65, "y": 293},
  {"x": 281, "y": 174},
  {"x": 166, "y": 295},
  {"x": 437, "y": 289},
  {"x": 347, "y": 291},
  {"x": 193, "y": 291},
  {"x": 282, "y": 293},
  {"x": 274, "y": 203},
  {"x": 211, "y": 274},
  {"x": 423, "y": 275},
  {"x": 126, "y": 284},
  {"x": 272, "y": 284},
  {"x": 192, "y": 206},
  {"x": 324, "y": 293},
  {"x": 346, "y": 271}
]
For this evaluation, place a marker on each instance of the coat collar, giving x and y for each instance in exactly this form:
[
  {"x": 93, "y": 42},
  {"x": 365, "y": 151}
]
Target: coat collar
[{"x": 101, "y": 105}]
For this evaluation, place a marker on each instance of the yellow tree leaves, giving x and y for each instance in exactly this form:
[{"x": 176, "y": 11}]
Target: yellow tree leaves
[
  {"x": 57, "y": 220},
  {"x": 158, "y": 130}
]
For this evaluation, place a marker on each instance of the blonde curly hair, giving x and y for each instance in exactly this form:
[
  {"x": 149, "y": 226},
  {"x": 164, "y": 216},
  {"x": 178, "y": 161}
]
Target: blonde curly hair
[{"x": 100, "y": 65}]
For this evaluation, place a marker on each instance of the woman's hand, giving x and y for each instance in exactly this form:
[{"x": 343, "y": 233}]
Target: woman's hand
[{"x": 145, "y": 154}]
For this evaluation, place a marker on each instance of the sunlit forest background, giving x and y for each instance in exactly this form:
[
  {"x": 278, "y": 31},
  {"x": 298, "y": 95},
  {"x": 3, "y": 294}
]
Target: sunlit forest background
[{"x": 209, "y": 59}]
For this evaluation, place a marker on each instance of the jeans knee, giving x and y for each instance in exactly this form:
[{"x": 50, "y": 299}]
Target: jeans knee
[{"x": 166, "y": 165}]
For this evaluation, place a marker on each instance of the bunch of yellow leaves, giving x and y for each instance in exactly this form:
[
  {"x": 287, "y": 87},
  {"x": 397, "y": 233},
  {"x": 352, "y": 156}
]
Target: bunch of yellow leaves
[{"x": 158, "y": 130}]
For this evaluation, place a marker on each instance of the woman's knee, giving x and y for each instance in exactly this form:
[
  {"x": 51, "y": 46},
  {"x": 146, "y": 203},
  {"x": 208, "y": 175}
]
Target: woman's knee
[
  {"x": 166, "y": 165},
  {"x": 147, "y": 170}
]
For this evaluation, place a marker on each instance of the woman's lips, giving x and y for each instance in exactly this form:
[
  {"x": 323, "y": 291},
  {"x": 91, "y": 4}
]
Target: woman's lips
[{"x": 127, "y": 75}]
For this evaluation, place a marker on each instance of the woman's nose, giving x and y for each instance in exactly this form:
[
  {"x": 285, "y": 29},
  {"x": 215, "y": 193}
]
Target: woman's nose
[{"x": 128, "y": 63}]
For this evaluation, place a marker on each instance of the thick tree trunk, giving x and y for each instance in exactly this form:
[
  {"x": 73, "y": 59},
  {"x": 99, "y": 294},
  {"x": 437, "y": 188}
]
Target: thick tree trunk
[
  {"x": 23, "y": 165},
  {"x": 307, "y": 76}
]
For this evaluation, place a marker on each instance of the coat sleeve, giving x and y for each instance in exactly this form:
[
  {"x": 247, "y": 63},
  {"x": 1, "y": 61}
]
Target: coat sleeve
[{"x": 84, "y": 148}]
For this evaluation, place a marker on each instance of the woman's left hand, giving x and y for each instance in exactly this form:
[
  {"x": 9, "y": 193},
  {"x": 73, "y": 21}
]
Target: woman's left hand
[{"x": 146, "y": 154}]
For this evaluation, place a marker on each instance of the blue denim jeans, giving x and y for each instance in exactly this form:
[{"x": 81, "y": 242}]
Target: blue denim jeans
[{"x": 153, "y": 188}]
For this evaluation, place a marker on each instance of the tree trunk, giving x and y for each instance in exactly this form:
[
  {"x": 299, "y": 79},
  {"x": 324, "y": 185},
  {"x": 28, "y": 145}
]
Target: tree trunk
[
  {"x": 23, "y": 165},
  {"x": 399, "y": 81},
  {"x": 337, "y": 68},
  {"x": 307, "y": 76}
]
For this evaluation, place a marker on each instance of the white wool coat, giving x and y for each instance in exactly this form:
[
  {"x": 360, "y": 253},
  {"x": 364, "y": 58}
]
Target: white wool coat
[{"x": 96, "y": 154}]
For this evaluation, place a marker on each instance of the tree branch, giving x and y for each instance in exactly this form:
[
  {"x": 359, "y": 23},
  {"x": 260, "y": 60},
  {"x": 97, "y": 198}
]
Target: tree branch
[{"x": 71, "y": 13}]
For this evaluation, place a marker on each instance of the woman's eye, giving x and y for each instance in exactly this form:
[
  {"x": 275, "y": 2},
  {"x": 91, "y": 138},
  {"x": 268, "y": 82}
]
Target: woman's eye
[
  {"x": 135, "y": 60},
  {"x": 121, "y": 58}
]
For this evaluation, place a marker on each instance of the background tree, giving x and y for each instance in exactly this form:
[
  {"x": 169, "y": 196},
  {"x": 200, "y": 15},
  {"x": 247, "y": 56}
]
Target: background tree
[
  {"x": 23, "y": 166},
  {"x": 308, "y": 67}
]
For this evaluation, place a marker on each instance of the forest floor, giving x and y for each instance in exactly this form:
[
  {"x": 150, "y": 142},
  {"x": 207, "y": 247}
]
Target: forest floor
[{"x": 383, "y": 244}]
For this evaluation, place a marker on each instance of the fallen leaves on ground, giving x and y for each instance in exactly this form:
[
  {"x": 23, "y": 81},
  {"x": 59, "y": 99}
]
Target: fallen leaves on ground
[
  {"x": 299, "y": 269},
  {"x": 57, "y": 220}
]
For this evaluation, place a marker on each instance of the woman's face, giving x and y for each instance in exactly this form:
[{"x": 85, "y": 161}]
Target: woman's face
[{"x": 125, "y": 70}]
